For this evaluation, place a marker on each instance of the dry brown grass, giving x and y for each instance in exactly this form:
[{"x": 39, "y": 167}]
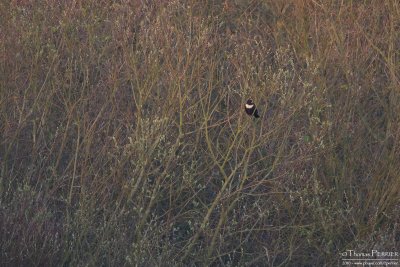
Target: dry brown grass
[{"x": 124, "y": 141}]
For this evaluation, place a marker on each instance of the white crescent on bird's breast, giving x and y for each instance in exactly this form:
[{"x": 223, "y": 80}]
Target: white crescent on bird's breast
[{"x": 249, "y": 106}]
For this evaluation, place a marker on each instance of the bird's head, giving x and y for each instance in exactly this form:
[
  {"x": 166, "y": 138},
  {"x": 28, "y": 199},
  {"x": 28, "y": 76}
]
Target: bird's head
[{"x": 250, "y": 102}]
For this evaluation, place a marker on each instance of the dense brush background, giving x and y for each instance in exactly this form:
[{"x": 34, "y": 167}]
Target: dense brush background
[{"x": 124, "y": 140}]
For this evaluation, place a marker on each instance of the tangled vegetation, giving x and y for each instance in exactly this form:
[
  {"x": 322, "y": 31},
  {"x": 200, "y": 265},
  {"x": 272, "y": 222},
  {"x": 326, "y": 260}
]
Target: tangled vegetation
[{"x": 124, "y": 141}]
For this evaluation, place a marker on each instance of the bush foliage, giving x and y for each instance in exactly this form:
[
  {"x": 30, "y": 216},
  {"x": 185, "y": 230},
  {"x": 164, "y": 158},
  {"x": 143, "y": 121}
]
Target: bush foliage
[{"x": 124, "y": 140}]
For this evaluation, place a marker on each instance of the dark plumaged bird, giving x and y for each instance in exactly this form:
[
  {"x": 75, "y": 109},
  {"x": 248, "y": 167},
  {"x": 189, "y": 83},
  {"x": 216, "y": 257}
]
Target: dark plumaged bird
[{"x": 251, "y": 108}]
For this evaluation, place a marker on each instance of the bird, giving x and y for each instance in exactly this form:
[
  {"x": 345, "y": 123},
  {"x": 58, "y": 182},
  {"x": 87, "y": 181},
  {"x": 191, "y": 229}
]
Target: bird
[{"x": 251, "y": 108}]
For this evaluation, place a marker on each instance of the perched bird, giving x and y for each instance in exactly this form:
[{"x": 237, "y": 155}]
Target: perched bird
[{"x": 251, "y": 108}]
